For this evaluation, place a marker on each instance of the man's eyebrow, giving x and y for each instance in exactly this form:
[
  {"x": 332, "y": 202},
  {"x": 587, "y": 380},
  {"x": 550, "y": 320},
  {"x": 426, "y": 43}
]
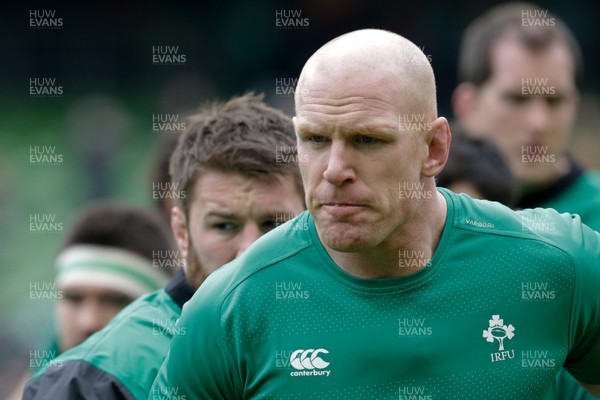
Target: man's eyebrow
[
  {"x": 369, "y": 128},
  {"x": 308, "y": 126},
  {"x": 221, "y": 214},
  {"x": 72, "y": 293},
  {"x": 513, "y": 93},
  {"x": 559, "y": 95}
]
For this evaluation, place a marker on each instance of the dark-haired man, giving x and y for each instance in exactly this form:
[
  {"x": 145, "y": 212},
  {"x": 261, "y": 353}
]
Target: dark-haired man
[{"x": 230, "y": 191}]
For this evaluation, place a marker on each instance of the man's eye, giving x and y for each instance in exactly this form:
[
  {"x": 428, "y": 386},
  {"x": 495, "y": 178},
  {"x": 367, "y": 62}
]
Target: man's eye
[
  {"x": 365, "y": 139},
  {"x": 224, "y": 226},
  {"x": 515, "y": 98},
  {"x": 317, "y": 138},
  {"x": 116, "y": 301},
  {"x": 554, "y": 100},
  {"x": 270, "y": 225},
  {"x": 73, "y": 298}
]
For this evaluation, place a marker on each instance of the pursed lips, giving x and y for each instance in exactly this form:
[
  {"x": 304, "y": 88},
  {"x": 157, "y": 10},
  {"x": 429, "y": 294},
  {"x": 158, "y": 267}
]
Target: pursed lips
[
  {"x": 340, "y": 204},
  {"x": 341, "y": 209}
]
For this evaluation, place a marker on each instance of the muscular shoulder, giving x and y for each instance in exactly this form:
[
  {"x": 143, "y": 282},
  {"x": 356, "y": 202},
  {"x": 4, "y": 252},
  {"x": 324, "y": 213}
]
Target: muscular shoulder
[{"x": 564, "y": 233}]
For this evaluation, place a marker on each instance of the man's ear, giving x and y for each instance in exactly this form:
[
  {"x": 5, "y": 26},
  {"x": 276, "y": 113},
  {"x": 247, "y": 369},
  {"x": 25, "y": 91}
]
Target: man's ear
[
  {"x": 438, "y": 142},
  {"x": 180, "y": 231},
  {"x": 464, "y": 103}
]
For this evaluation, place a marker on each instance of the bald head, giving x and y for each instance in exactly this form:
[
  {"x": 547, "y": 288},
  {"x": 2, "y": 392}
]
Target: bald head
[{"x": 371, "y": 60}]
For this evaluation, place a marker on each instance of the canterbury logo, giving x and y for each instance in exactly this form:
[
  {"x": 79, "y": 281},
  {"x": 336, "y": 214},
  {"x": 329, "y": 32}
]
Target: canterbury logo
[{"x": 308, "y": 359}]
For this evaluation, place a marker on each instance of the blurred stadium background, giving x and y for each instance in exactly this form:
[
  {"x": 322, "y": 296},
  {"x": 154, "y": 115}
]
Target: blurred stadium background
[{"x": 102, "y": 124}]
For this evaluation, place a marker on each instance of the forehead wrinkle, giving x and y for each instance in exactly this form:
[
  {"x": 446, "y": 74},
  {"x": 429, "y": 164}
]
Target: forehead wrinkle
[
  {"x": 372, "y": 125},
  {"x": 341, "y": 105},
  {"x": 397, "y": 95}
]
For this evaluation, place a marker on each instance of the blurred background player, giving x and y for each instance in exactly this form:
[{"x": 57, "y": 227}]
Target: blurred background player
[
  {"x": 106, "y": 262},
  {"x": 519, "y": 90}
]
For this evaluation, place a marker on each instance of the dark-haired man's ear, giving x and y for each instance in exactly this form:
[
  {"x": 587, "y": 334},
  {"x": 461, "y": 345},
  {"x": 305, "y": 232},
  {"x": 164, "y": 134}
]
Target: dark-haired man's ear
[{"x": 180, "y": 230}]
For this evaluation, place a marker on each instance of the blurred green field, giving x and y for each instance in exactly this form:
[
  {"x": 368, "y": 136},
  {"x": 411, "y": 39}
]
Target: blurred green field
[{"x": 27, "y": 257}]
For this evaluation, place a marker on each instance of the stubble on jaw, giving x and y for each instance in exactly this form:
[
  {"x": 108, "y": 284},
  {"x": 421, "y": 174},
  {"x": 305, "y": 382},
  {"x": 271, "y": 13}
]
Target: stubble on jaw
[{"x": 195, "y": 274}]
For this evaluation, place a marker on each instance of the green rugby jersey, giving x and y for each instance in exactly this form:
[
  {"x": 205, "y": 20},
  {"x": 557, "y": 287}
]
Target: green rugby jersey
[
  {"x": 577, "y": 192},
  {"x": 507, "y": 299},
  {"x": 582, "y": 197},
  {"x": 121, "y": 360}
]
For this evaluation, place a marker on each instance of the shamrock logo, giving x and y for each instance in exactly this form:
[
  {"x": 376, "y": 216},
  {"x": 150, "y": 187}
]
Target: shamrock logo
[{"x": 498, "y": 331}]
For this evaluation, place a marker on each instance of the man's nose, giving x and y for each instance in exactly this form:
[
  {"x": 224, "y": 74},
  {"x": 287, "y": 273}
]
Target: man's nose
[
  {"x": 538, "y": 115},
  {"x": 339, "y": 168}
]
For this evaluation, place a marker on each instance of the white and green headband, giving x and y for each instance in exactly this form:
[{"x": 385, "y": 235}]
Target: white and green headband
[{"x": 108, "y": 267}]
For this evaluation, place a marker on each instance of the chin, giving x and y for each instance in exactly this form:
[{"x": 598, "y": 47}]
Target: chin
[
  {"x": 347, "y": 240},
  {"x": 348, "y": 248}
]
